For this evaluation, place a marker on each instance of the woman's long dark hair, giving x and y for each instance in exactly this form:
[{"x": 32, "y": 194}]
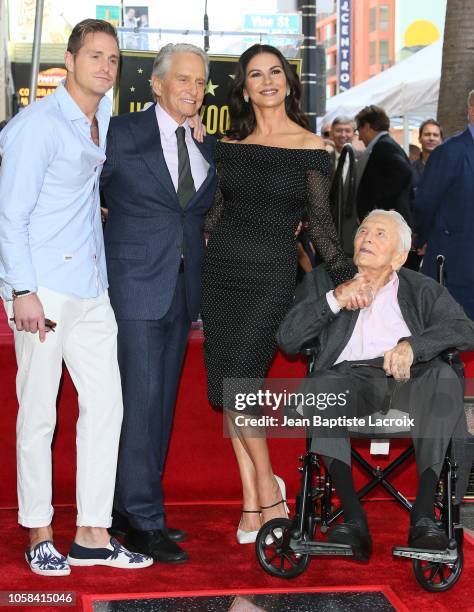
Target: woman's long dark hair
[{"x": 242, "y": 116}]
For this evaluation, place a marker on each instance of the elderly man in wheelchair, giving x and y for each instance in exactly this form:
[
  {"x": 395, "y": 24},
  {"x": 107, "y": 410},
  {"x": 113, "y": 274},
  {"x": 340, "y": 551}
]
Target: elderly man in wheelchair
[{"x": 380, "y": 337}]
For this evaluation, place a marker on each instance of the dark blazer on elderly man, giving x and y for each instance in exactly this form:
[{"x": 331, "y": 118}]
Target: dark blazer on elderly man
[
  {"x": 435, "y": 320},
  {"x": 153, "y": 297}
]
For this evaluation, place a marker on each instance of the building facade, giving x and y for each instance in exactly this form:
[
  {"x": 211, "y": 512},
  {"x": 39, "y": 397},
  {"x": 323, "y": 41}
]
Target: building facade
[
  {"x": 380, "y": 33},
  {"x": 373, "y": 40}
]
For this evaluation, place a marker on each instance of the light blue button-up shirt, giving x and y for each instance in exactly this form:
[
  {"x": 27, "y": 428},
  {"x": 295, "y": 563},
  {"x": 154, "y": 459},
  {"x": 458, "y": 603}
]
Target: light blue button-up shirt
[
  {"x": 50, "y": 222},
  {"x": 375, "y": 140}
]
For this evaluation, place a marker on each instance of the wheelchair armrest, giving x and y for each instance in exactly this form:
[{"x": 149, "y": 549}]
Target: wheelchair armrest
[
  {"x": 310, "y": 348},
  {"x": 449, "y": 355}
]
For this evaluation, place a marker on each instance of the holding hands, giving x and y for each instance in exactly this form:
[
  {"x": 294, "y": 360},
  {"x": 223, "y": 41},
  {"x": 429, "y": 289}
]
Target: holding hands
[
  {"x": 359, "y": 293},
  {"x": 355, "y": 293}
]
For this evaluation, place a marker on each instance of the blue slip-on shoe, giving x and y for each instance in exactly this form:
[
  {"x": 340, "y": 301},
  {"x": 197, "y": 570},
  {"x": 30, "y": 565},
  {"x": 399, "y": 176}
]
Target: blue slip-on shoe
[
  {"x": 45, "y": 560},
  {"x": 114, "y": 555}
]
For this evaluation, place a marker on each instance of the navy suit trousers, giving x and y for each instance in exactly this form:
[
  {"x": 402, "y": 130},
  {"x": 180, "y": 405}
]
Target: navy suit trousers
[{"x": 150, "y": 355}]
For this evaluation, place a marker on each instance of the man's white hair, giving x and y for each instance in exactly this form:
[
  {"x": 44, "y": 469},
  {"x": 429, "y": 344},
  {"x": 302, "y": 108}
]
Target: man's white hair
[
  {"x": 404, "y": 231},
  {"x": 344, "y": 119},
  {"x": 470, "y": 98},
  {"x": 162, "y": 61}
]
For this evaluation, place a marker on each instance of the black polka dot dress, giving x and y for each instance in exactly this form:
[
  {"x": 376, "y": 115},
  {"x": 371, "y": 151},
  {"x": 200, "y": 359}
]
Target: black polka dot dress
[{"x": 251, "y": 258}]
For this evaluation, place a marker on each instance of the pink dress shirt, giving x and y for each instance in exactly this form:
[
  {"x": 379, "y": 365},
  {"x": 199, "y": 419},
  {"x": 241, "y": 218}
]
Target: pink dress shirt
[{"x": 379, "y": 326}]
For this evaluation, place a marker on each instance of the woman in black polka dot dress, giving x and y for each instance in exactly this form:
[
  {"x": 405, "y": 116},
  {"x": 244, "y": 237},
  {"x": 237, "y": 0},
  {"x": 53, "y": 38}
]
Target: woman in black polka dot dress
[{"x": 272, "y": 173}]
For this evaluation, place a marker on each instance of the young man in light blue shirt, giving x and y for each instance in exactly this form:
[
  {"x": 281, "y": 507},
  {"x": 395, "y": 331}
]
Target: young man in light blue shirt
[{"x": 53, "y": 278}]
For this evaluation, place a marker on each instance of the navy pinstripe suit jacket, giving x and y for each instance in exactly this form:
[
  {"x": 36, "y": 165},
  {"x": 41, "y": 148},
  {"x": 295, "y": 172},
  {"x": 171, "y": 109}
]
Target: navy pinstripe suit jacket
[{"x": 146, "y": 228}]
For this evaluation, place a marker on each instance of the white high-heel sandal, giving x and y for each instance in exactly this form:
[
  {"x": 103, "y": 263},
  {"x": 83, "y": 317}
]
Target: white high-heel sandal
[
  {"x": 282, "y": 487},
  {"x": 277, "y": 532},
  {"x": 247, "y": 537},
  {"x": 281, "y": 484}
]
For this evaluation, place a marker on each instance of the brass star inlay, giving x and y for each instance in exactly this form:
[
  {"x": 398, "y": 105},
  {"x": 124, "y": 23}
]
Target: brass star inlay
[{"x": 211, "y": 88}]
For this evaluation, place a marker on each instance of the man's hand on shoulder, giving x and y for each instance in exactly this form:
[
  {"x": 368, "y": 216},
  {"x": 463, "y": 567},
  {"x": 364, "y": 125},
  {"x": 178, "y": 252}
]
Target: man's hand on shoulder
[
  {"x": 355, "y": 293},
  {"x": 29, "y": 315},
  {"x": 397, "y": 361}
]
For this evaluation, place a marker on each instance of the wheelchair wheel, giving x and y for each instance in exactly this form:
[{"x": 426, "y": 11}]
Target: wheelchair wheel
[
  {"x": 437, "y": 577},
  {"x": 274, "y": 552}
]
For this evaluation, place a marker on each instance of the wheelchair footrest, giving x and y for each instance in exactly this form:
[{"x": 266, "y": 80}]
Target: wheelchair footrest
[
  {"x": 321, "y": 548},
  {"x": 435, "y": 556}
]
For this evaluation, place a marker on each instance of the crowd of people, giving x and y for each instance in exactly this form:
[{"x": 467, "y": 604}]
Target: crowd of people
[{"x": 117, "y": 304}]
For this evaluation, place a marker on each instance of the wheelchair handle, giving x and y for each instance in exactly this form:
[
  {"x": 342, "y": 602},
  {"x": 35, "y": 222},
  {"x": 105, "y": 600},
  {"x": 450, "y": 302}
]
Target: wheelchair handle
[
  {"x": 440, "y": 260},
  {"x": 310, "y": 348}
]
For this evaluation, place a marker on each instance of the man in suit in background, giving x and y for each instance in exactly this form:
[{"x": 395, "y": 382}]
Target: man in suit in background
[
  {"x": 444, "y": 212},
  {"x": 158, "y": 184},
  {"x": 342, "y": 189},
  {"x": 430, "y": 136},
  {"x": 342, "y": 133},
  {"x": 383, "y": 178}
]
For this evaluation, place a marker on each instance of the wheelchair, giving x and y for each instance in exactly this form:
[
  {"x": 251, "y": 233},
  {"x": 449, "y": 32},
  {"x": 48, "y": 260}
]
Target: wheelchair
[{"x": 285, "y": 546}]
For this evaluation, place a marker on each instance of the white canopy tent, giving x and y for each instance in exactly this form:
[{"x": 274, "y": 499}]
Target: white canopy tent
[{"x": 408, "y": 90}]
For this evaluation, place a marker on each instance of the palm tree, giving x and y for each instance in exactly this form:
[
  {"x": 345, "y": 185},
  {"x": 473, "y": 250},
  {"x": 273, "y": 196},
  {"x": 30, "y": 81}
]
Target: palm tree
[{"x": 457, "y": 72}]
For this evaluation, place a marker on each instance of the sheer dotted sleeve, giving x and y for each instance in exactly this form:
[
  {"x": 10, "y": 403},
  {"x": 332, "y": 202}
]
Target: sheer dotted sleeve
[
  {"x": 216, "y": 208},
  {"x": 321, "y": 228}
]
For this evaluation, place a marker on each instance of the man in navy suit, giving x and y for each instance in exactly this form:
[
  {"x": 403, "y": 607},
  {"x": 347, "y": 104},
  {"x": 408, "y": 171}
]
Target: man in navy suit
[
  {"x": 444, "y": 212},
  {"x": 158, "y": 183}
]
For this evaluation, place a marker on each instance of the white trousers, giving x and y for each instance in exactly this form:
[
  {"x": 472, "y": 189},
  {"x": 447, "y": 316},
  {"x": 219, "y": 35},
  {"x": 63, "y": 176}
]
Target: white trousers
[{"x": 86, "y": 338}]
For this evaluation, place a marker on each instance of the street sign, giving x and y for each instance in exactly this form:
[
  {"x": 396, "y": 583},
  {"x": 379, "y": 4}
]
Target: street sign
[{"x": 286, "y": 23}]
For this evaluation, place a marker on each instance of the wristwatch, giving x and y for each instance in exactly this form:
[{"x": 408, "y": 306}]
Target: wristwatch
[{"x": 16, "y": 294}]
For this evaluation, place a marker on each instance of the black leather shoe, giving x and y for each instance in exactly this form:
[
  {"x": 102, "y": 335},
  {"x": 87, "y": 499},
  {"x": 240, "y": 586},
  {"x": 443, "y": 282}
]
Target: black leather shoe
[
  {"x": 425, "y": 533},
  {"x": 156, "y": 544},
  {"x": 120, "y": 527},
  {"x": 176, "y": 535},
  {"x": 356, "y": 536}
]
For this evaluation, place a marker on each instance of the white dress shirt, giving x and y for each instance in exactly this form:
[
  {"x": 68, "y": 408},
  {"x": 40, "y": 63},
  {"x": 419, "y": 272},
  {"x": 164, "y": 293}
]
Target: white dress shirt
[{"x": 169, "y": 144}]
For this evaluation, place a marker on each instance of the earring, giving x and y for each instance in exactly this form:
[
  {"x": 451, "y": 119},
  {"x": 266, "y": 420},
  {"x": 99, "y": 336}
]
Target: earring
[
  {"x": 246, "y": 98},
  {"x": 288, "y": 91}
]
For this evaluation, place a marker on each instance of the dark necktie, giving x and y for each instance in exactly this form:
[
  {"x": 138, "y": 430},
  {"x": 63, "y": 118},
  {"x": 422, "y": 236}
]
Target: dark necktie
[
  {"x": 95, "y": 131},
  {"x": 186, "y": 188}
]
